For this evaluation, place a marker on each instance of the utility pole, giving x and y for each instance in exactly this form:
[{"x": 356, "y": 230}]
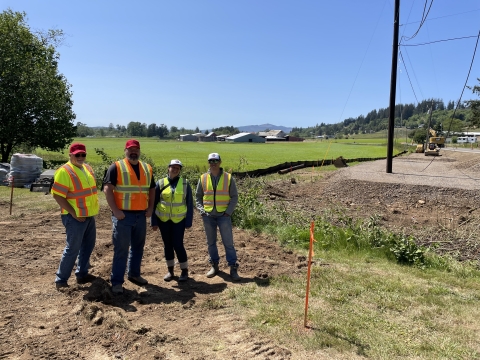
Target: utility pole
[{"x": 393, "y": 86}]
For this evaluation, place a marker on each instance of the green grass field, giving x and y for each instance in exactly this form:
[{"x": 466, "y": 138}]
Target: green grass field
[{"x": 237, "y": 156}]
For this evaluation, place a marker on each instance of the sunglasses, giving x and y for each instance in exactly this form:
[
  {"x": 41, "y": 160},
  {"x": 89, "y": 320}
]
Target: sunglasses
[
  {"x": 81, "y": 155},
  {"x": 213, "y": 161}
]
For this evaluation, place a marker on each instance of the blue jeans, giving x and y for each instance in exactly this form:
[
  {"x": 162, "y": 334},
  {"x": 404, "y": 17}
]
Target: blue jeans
[
  {"x": 128, "y": 237},
  {"x": 81, "y": 238},
  {"x": 172, "y": 236},
  {"x": 224, "y": 224}
]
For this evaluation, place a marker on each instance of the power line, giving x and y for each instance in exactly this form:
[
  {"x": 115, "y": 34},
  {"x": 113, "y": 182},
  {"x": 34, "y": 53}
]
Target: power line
[
  {"x": 465, "y": 85},
  {"x": 422, "y": 21},
  {"x": 443, "y": 40},
  {"x": 361, "y": 64},
  {"x": 403, "y": 61},
  {"x": 414, "y": 74},
  {"x": 441, "y": 17}
]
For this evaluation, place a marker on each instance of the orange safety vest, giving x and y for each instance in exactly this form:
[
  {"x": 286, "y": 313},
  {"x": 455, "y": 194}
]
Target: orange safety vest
[
  {"x": 219, "y": 197},
  {"x": 130, "y": 193},
  {"x": 83, "y": 198}
]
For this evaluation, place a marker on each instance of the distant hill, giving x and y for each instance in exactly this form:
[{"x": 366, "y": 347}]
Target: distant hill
[{"x": 263, "y": 127}]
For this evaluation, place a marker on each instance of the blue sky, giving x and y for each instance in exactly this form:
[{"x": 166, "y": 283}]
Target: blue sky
[{"x": 290, "y": 63}]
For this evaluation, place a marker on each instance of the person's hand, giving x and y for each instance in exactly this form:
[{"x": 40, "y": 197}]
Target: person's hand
[
  {"x": 79, "y": 219},
  {"x": 148, "y": 213},
  {"x": 155, "y": 228},
  {"x": 119, "y": 215}
]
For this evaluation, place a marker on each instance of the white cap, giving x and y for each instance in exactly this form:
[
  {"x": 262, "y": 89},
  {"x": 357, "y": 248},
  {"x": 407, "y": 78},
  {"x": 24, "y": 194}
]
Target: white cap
[
  {"x": 175, "y": 162},
  {"x": 213, "y": 156}
]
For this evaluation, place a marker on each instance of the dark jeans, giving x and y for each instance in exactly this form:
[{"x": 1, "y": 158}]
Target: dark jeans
[
  {"x": 172, "y": 236},
  {"x": 128, "y": 234}
]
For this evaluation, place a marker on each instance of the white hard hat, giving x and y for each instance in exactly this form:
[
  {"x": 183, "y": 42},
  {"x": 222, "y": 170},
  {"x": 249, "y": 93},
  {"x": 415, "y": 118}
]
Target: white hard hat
[
  {"x": 214, "y": 156},
  {"x": 175, "y": 162}
]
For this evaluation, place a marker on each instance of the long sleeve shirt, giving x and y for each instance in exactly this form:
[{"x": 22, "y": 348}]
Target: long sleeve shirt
[{"x": 232, "y": 191}]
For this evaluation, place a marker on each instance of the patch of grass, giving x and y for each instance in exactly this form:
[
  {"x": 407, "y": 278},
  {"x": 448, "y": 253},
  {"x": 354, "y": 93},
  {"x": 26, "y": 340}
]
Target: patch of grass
[
  {"x": 25, "y": 201},
  {"x": 379, "y": 311},
  {"x": 213, "y": 303}
]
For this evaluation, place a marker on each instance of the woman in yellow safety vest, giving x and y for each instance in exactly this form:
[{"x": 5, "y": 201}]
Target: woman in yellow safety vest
[{"x": 173, "y": 214}]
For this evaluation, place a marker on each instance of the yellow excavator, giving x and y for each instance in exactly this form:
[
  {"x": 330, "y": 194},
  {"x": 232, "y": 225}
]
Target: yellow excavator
[
  {"x": 439, "y": 141},
  {"x": 432, "y": 149},
  {"x": 433, "y": 145}
]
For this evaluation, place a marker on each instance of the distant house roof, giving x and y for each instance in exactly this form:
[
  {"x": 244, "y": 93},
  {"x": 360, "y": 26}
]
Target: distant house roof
[
  {"x": 199, "y": 134},
  {"x": 211, "y": 134},
  {"x": 276, "y": 133},
  {"x": 245, "y": 137},
  {"x": 239, "y": 135},
  {"x": 274, "y": 138}
]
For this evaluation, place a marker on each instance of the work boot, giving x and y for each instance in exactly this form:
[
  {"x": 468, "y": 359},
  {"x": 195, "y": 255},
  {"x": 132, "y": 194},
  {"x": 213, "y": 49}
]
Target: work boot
[
  {"x": 183, "y": 275},
  {"x": 117, "y": 289},
  {"x": 213, "y": 270},
  {"x": 169, "y": 275},
  {"x": 234, "y": 274},
  {"x": 86, "y": 279},
  {"x": 138, "y": 280},
  {"x": 60, "y": 285}
]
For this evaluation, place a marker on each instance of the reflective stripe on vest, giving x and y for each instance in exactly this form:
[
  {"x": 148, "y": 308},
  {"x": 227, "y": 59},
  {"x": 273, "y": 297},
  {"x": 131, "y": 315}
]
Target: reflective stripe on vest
[
  {"x": 82, "y": 199},
  {"x": 218, "y": 198},
  {"x": 172, "y": 205},
  {"x": 130, "y": 193}
]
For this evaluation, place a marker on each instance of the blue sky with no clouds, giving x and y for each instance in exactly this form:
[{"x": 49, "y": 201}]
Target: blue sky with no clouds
[{"x": 291, "y": 63}]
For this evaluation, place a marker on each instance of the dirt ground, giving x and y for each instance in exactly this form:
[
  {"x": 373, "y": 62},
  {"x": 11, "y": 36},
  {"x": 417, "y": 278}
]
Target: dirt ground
[{"x": 194, "y": 320}]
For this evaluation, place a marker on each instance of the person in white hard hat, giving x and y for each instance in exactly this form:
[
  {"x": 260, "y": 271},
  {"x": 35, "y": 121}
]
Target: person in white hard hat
[
  {"x": 216, "y": 198},
  {"x": 173, "y": 214}
]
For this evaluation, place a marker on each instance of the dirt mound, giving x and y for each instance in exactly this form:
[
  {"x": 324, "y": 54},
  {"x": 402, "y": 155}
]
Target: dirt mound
[{"x": 188, "y": 320}]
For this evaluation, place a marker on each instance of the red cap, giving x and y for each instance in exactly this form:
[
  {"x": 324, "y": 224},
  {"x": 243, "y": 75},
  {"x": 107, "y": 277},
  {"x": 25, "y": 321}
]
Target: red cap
[
  {"x": 77, "y": 148},
  {"x": 132, "y": 143}
]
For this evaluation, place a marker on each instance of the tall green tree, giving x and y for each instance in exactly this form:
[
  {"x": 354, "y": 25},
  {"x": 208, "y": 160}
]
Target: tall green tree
[
  {"x": 474, "y": 106},
  {"x": 152, "y": 130},
  {"x": 35, "y": 99},
  {"x": 83, "y": 130},
  {"x": 162, "y": 131},
  {"x": 135, "y": 128}
]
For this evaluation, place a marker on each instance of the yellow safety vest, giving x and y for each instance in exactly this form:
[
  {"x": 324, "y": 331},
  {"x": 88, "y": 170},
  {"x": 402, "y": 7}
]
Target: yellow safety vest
[
  {"x": 131, "y": 193},
  {"x": 219, "y": 197},
  {"x": 78, "y": 187},
  {"x": 172, "y": 205}
]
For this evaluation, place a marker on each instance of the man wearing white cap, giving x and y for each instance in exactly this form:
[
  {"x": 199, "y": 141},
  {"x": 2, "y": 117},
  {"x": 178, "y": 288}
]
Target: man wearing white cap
[
  {"x": 173, "y": 214},
  {"x": 216, "y": 199}
]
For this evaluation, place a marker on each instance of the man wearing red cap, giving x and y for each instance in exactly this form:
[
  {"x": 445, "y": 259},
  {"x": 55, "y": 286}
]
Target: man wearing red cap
[
  {"x": 130, "y": 189},
  {"x": 75, "y": 190}
]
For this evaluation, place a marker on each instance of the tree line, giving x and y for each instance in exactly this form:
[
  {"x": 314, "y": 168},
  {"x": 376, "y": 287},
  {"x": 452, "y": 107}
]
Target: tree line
[{"x": 443, "y": 118}]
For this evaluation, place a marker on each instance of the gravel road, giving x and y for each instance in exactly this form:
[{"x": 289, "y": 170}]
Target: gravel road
[{"x": 452, "y": 169}]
